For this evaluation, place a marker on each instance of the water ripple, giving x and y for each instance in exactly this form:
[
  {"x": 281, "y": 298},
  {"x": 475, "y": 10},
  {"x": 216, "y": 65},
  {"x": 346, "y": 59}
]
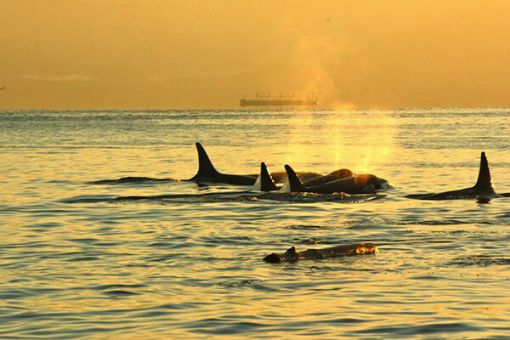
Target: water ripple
[{"x": 138, "y": 257}]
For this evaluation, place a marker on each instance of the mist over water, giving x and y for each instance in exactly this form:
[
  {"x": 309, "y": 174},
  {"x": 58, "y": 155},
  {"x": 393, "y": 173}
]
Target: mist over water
[{"x": 74, "y": 262}]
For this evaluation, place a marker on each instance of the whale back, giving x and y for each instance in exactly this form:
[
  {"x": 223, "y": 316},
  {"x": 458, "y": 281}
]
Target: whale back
[
  {"x": 484, "y": 183},
  {"x": 265, "y": 182},
  {"x": 337, "y": 174},
  {"x": 291, "y": 255},
  {"x": 294, "y": 184}
]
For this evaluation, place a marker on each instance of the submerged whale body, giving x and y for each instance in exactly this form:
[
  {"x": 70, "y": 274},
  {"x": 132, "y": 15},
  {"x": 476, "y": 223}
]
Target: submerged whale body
[
  {"x": 351, "y": 184},
  {"x": 133, "y": 179},
  {"x": 291, "y": 255},
  {"x": 482, "y": 190}
]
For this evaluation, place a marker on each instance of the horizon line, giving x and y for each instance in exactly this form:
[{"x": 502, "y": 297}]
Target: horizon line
[{"x": 261, "y": 109}]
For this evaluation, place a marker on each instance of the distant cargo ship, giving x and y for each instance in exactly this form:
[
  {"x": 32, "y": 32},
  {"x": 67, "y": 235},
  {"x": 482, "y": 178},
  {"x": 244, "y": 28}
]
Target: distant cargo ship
[{"x": 268, "y": 101}]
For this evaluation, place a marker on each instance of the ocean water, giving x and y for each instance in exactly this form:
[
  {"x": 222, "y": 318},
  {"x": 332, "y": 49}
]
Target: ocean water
[{"x": 75, "y": 262}]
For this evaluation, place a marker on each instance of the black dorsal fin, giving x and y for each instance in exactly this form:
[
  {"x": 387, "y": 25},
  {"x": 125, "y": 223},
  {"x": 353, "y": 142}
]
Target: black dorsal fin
[
  {"x": 484, "y": 182},
  {"x": 265, "y": 182},
  {"x": 291, "y": 250},
  {"x": 295, "y": 185},
  {"x": 205, "y": 166}
]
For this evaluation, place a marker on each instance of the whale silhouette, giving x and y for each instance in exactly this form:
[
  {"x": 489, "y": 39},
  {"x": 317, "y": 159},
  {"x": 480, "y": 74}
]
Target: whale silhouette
[
  {"x": 208, "y": 173},
  {"x": 482, "y": 190},
  {"x": 265, "y": 181},
  {"x": 291, "y": 255},
  {"x": 354, "y": 184}
]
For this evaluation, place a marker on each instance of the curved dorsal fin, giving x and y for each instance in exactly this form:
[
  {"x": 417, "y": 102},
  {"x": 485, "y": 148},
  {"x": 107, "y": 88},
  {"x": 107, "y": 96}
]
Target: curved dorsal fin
[
  {"x": 484, "y": 182},
  {"x": 205, "y": 166},
  {"x": 265, "y": 182},
  {"x": 295, "y": 185}
]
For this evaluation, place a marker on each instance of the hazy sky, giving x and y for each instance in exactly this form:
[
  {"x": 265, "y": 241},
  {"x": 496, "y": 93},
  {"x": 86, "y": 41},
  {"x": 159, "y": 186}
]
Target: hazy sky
[{"x": 207, "y": 54}]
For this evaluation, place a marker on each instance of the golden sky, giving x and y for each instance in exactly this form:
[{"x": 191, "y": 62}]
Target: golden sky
[{"x": 58, "y": 54}]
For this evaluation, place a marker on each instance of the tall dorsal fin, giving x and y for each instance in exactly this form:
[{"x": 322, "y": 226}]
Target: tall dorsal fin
[
  {"x": 484, "y": 182},
  {"x": 295, "y": 184},
  {"x": 265, "y": 182},
  {"x": 205, "y": 166}
]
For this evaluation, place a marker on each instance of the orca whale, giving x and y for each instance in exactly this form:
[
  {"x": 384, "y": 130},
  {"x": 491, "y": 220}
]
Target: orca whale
[
  {"x": 291, "y": 255},
  {"x": 208, "y": 173},
  {"x": 482, "y": 190},
  {"x": 265, "y": 181},
  {"x": 354, "y": 184}
]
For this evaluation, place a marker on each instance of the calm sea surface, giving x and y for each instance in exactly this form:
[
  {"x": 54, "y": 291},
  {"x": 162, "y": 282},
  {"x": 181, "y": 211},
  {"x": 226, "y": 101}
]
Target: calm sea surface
[{"x": 74, "y": 263}]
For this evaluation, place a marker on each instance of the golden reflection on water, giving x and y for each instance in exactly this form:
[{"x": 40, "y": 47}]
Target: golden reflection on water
[{"x": 206, "y": 257}]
